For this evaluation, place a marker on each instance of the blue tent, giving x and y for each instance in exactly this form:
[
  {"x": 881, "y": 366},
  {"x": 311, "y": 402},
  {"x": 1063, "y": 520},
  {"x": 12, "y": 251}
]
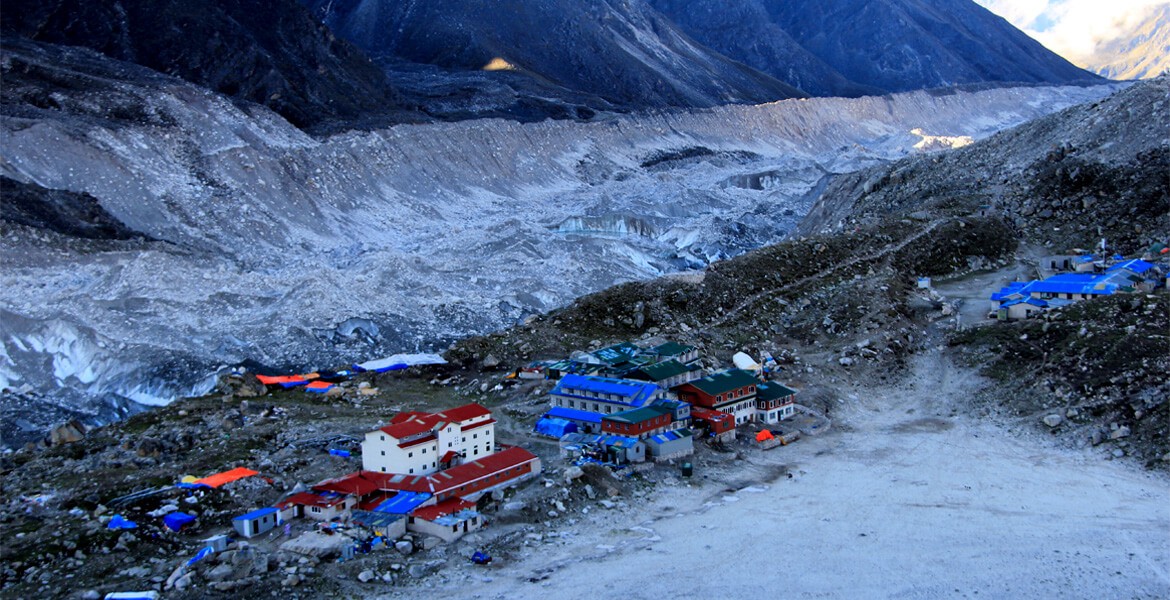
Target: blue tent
[
  {"x": 554, "y": 427},
  {"x": 177, "y": 520}
]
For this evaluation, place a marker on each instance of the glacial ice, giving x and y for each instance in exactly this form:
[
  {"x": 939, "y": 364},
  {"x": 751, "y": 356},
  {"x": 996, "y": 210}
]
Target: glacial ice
[{"x": 404, "y": 238}]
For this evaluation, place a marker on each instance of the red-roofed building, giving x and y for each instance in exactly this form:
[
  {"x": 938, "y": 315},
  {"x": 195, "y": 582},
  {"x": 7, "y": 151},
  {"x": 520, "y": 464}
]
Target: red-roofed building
[
  {"x": 418, "y": 443},
  {"x": 448, "y": 520},
  {"x": 469, "y": 480},
  {"x": 322, "y": 506}
]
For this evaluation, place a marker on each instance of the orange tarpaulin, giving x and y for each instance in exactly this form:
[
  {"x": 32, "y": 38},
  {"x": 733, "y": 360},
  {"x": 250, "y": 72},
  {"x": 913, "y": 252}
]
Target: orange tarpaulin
[
  {"x": 764, "y": 435},
  {"x": 267, "y": 380},
  {"x": 226, "y": 477}
]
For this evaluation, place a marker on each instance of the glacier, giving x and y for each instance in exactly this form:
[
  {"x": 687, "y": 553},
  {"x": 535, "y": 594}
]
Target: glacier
[{"x": 270, "y": 246}]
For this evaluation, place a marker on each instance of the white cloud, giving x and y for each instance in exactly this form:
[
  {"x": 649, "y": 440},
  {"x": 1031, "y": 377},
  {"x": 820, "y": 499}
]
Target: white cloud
[{"x": 1073, "y": 28}]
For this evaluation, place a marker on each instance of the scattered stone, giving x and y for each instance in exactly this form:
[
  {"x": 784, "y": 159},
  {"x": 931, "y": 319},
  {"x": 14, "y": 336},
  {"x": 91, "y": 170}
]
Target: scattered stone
[
  {"x": 1119, "y": 433},
  {"x": 491, "y": 362},
  {"x": 1053, "y": 420},
  {"x": 404, "y": 547},
  {"x": 366, "y": 576}
]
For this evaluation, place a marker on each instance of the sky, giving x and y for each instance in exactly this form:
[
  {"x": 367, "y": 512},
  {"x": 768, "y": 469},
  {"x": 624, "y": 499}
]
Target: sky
[{"x": 1072, "y": 28}]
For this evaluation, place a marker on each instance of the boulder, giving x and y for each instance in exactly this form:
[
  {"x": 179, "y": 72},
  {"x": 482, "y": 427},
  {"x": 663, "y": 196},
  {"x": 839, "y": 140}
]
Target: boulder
[
  {"x": 491, "y": 362},
  {"x": 67, "y": 433},
  {"x": 1053, "y": 420},
  {"x": 404, "y": 547},
  {"x": 366, "y": 576},
  {"x": 1120, "y": 432}
]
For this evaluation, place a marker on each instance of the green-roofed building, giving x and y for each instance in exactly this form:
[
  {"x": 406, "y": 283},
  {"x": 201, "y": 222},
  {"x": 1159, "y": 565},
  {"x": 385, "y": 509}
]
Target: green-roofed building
[
  {"x": 682, "y": 353},
  {"x": 667, "y": 374},
  {"x": 732, "y": 392},
  {"x": 774, "y": 402},
  {"x": 617, "y": 354},
  {"x": 640, "y": 423}
]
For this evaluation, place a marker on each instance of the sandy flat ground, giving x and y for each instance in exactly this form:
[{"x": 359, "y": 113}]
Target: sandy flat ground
[{"x": 907, "y": 497}]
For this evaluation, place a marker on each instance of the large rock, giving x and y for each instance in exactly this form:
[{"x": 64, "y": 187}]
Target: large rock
[
  {"x": 67, "y": 433},
  {"x": 404, "y": 547},
  {"x": 1053, "y": 420}
]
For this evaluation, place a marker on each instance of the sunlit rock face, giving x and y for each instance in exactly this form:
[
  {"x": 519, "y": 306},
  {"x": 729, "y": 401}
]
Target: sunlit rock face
[{"x": 242, "y": 238}]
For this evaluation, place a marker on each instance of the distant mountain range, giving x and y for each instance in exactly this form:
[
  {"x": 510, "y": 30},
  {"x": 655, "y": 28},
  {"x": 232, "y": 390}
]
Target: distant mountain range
[
  {"x": 331, "y": 65},
  {"x": 1140, "y": 53}
]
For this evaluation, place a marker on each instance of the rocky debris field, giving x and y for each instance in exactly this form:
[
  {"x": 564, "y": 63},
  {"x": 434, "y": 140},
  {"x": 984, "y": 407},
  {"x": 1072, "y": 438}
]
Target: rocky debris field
[{"x": 1093, "y": 373}]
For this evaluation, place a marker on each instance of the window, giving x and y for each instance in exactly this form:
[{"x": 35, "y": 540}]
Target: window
[
  {"x": 412, "y": 470},
  {"x": 383, "y": 438},
  {"x": 315, "y": 509},
  {"x": 424, "y": 451},
  {"x": 448, "y": 444},
  {"x": 409, "y": 454},
  {"x": 383, "y": 453},
  {"x": 572, "y": 404},
  {"x": 476, "y": 449},
  {"x": 383, "y": 469},
  {"x": 475, "y": 436}
]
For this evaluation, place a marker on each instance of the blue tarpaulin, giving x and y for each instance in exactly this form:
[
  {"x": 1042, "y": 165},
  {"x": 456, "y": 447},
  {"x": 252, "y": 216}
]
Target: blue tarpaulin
[
  {"x": 176, "y": 520},
  {"x": 118, "y": 522},
  {"x": 403, "y": 502},
  {"x": 554, "y": 427},
  {"x": 202, "y": 554},
  {"x": 341, "y": 453}
]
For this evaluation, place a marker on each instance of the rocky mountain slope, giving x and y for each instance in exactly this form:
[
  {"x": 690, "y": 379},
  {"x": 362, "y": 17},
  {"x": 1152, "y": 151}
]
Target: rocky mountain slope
[
  {"x": 852, "y": 47},
  {"x": 270, "y": 52},
  {"x": 625, "y": 53},
  {"x": 1065, "y": 180},
  {"x": 260, "y": 242},
  {"x": 1141, "y": 53}
]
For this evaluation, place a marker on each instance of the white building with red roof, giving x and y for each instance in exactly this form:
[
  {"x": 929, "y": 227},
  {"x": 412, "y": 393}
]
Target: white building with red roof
[{"x": 418, "y": 443}]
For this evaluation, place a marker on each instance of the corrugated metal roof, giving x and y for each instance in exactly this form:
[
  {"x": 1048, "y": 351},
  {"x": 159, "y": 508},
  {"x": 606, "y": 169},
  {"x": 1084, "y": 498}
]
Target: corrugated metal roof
[
  {"x": 773, "y": 391},
  {"x": 725, "y": 381},
  {"x": 573, "y": 414},
  {"x": 637, "y": 415},
  {"x": 617, "y": 353},
  {"x": 1134, "y": 264},
  {"x": 402, "y": 503},
  {"x": 256, "y": 514},
  {"x": 664, "y": 370},
  {"x": 670, "y": 436}
]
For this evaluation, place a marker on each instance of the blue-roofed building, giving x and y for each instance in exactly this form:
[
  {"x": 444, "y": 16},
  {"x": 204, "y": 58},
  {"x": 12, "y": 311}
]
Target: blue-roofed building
[
  {"x": 256, "y": 522},
  {"x": 1136, "y": 265},
  {"x": 586, "y": 422},
  {"x": 602, "y": 395},
  {"x": 1021, "y": 308}
]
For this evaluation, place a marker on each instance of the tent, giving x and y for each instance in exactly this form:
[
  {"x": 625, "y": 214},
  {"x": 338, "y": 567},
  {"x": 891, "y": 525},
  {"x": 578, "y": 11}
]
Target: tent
[
  {"x": 319, "y": 387},
  {"x": 764, "y": 435},
  {"x": 175, "y": 521},
  {"x": 219, "y": 479},
  {"x": 554, "y": 427},
  {"x": 284, "y": 381},
  {"x": 398, "y": 362}
]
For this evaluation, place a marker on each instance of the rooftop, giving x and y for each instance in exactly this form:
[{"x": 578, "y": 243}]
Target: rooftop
[
  {"x": 773, "y": 391},
  {"x": 725, "y": 381},
  {"x": 634, "y": 393},
  {"x": 664, "y": 370},
  {"x": 638, "y": 415}
]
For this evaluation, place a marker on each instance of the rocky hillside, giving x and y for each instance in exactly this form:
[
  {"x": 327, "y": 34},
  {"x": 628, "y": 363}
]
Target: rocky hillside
[
  {"x": 1064, "y": 181},
  {"x": 625, "y": 53},
  {"x": 851, "y": 47},
  {"x": 1093, "y": 372},
  {"x": 270, "y": 52}
]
